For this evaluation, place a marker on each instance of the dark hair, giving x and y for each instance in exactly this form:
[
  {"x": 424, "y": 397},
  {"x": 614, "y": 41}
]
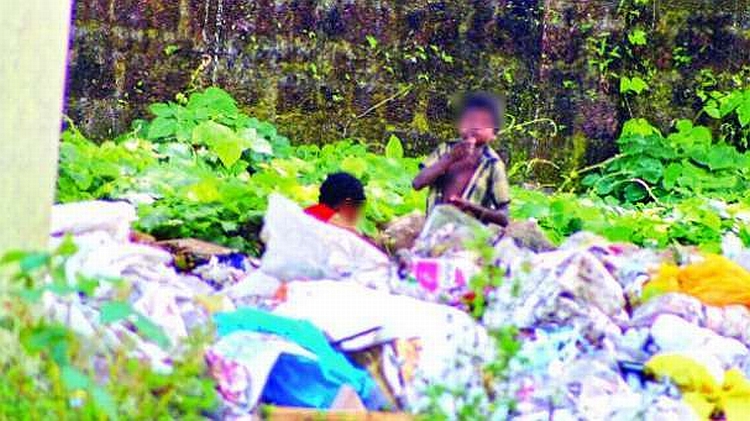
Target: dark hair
[
  {"x": 483, "y": 101},
  {"x": 340, "y": 187}
]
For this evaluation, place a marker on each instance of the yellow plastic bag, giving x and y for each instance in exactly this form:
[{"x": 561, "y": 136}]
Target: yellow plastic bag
[
  {"x": 701, "y": 390},
  {"x": 716, "y": 281}
]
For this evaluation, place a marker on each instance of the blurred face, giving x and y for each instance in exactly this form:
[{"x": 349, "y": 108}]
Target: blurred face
[
  {"x": 478, "y": 124},
  {"x": 351, "y": 212}
]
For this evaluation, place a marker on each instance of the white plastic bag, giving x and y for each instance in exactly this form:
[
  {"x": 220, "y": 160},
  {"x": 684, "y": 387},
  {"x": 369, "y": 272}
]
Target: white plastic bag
[
  {"x": 81, "y": 217},
  {"x": 299, "y": 247}
]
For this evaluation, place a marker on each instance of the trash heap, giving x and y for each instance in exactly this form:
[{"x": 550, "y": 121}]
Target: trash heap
[{"x": 326, "y": 321}]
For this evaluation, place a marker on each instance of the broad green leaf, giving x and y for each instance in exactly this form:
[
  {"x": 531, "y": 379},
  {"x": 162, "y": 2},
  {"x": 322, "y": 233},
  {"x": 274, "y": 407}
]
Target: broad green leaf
[
  {"x": 372, "y": 41},
  {"x": 12, "y": 256},
  {"x": 636, "y": 84},
  {"x": 221, "y": 140},
  {"x": 204, "y": 191},
  {"x": 590, "y": 179},
  {"x": 743, "y": 113},
  {"x": 639, "y": 126},
  {"x": 720, "y": 157},
  {"x": 730, "y": 102},
  {"x": 257, "y": 143},
  {"x": 211, "y": 103},
  {"x": 605, "y": 186},
  {"x": 161, "y": 127},
  {"x": 649, "y": 169},
  {"x": 115, "y": 311},
  {"x": 394, "y": 149},
  {"x": 671, "y": 174},
  {"x": 712, "y": 111},
  {"x": 634, "y": 192},
  {"x": 67, "y": 247},
  {"x": 354, "y": 165},
  {"x": 161, "y": 109},
  {"x": 48, "y": 338},
  {"x": 74, "y": 379}
]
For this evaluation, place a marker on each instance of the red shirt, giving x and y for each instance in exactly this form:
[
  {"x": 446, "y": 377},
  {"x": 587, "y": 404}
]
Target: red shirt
[{"x": 321, "y": 212}]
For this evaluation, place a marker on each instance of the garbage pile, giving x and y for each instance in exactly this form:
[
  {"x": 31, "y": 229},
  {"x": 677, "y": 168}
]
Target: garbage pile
[{"x": 607, "y": 331}]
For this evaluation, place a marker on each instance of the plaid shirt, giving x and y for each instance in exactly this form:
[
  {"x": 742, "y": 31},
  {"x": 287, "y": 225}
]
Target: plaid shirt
[{"x": 488, "y": 186}]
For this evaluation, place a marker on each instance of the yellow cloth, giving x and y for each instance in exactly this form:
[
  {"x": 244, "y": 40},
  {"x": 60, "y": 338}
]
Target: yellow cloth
[
  {"x": 701, "y": 390},
  {"x": 716, "y": 281}
]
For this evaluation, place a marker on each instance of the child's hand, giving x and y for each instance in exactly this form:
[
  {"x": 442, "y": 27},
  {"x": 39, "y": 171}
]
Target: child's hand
[
  {"x": 463, "y": 150},
  {"x": 460, "y": 203}
]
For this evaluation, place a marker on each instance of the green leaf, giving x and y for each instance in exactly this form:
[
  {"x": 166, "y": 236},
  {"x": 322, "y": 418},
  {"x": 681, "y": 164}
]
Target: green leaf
[
  {"x": 721, "y": 157},
  {"x": 372, "y": 41},
  {"x": 743, "y": 113},
  {"x": 257, "y": 143},
  {"x": 204, "y": 191},
  {"x": 394, "y": 149},
  {"x": 221, "y": 140},
  {"x": 34, "y": 260},
  {"x": 634, "y": 192},
  {"x": 49, "y": 338},
  {"x": 161, "y": 109},
  {"x": 115, "y": 311},
  {"x": 712, "y": 111},
  {"x": 151, "y": 331},
  {"x": 212, "y": 102},
  {"x": 12, "y": 256},
  {"x": 605, "y": 186},
  {"x": 671, "y": 174},
  {"x": 74, "y": 379},
  {"x": 639, "y": 126},
  {"x": 161, "y": 127},
  {"x": 649, "y": 169},
  {"x": 637, "y": 37},
  {"x": 67, "y": 247},
  {"x": 354, "y": 165},
  {"x": 636, "y": 84}
]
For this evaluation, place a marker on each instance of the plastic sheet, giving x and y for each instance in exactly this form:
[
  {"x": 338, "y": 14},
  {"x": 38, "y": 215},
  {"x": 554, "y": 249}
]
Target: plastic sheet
[
  {"x": 327, "y": 372},
  {"x": 300, "y": 247},
  {"x": 715, "y": 281},
  {"x": 702, "y": 390}
]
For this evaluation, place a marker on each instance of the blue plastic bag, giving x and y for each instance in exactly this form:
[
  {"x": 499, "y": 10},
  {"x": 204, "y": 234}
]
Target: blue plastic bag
[{"x": 297, "y": 380}]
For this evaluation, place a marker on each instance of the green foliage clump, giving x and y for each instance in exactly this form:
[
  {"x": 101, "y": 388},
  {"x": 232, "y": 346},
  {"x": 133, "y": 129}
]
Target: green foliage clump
[
  {"x": 687, "y": 162},
  {"x": 204, "y": 169}
]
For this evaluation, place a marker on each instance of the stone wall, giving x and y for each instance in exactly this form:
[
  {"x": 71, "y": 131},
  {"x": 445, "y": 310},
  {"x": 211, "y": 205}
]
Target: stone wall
[{"x": 323, "y": 70}]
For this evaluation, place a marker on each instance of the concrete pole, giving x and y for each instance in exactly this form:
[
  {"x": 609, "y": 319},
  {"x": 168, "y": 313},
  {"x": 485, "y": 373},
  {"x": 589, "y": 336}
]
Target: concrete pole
[{"x": 34, "y": 46}]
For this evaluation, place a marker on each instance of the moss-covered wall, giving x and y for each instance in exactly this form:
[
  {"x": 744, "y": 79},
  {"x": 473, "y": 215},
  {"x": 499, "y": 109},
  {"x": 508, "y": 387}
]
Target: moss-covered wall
[{"x": 328, "y": 69}]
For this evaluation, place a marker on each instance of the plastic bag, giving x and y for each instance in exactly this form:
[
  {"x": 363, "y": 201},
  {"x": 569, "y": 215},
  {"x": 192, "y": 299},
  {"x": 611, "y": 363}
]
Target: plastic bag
[
  {"x": 715, "y": 281},
  {"x": 328, "y": 371},
  {"x": 700, "y": 388},
  {"x": 81, "y": 217},
  {"x": 299, "y": 247},
  {"x": 447, "y": 230}
]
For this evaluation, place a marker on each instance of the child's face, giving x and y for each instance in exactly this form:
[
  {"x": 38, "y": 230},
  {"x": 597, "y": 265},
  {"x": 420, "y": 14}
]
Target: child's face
[
  {"x": 351, "y": 212},
  {"x": 478, "y": 124}
]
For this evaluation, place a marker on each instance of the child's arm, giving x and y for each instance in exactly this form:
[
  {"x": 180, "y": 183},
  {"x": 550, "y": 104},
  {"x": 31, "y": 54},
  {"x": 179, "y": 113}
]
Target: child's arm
[
  {"x": 430, "y": 174},
  {"x": 486, "y": 215}
]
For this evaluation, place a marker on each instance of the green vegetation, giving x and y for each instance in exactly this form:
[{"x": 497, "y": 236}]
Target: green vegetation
[{"x": 204, "y": 169}]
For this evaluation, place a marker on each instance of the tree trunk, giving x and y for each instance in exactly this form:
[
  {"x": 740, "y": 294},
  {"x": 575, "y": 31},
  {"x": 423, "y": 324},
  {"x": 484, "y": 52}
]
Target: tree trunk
[{"x": 32, "y": 79}]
